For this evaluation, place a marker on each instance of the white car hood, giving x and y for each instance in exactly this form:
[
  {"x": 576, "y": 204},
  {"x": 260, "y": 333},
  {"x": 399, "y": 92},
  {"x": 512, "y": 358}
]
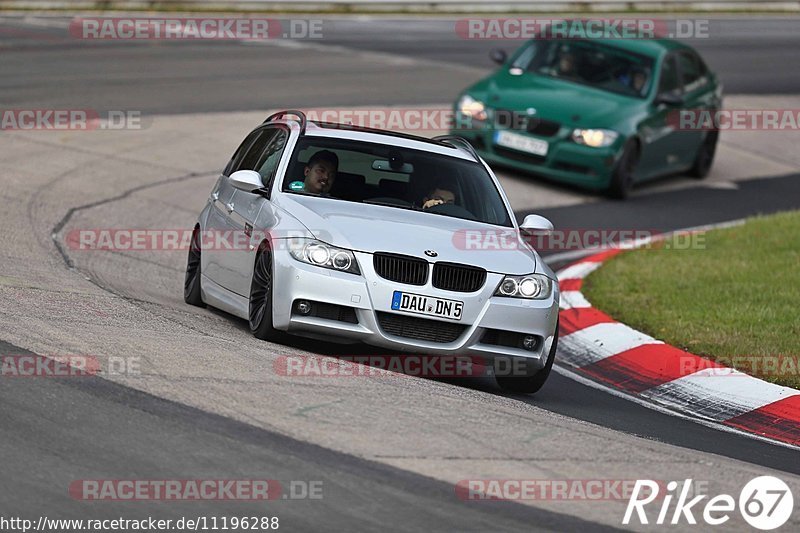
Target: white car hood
[{"x": 373, "y": 228}]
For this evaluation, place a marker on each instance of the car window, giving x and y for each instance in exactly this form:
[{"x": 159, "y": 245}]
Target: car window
[
  {"x": 669, "y": 81},
  {"x": 693, "y": 71},
  {"x": 589, "y": 63},
  {"x": 402, "y": 178},
  {"x": 239, "y": 154},
  {"x": 252, "y": 154},
  {"x": 270, "y": 158}
]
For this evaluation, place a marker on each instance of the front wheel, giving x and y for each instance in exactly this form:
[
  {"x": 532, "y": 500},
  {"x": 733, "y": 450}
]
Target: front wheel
[
  {"x": 622, "y": 176},
  {"x": 705, "y": 156},
  {"x": 531, "y": 380},
  {"x": 260, "y": 315},
  {"x": 191, "y": 286}
]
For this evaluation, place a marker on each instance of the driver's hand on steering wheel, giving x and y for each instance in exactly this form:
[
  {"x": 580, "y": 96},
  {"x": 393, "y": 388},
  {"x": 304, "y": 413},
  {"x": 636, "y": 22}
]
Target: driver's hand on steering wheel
[{"x": 432, "y": 202}]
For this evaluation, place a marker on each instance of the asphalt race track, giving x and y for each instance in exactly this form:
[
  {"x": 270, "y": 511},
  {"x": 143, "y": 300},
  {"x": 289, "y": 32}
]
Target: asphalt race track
[{"x": 208, "y": 402}]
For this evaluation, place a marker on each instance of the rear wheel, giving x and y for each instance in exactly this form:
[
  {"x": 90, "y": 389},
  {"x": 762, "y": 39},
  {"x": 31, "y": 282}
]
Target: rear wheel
[
  {"x": 622, "y": 176},
  {"x": 260, "y": 315},
  {"x": 191, "y": 286},
  {"x": 705, "y": 156},
  {"x": 531, "y": 380}
]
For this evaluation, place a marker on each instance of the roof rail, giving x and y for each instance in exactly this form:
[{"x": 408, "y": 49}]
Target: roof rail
[
  {"x": 452, "y": 140},
  {"x": 295, "y": 112}
]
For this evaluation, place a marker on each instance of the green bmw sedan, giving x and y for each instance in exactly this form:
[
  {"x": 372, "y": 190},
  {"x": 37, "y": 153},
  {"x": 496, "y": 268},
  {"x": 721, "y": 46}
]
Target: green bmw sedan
[{"x": 602, "y": 114}]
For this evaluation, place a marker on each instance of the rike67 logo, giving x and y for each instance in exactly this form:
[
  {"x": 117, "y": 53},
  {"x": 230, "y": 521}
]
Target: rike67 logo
[{"x": 765, "y": 503}]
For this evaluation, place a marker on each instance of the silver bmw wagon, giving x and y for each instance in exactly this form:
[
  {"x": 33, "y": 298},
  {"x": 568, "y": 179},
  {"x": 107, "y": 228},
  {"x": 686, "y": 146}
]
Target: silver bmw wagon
[{"x": 350, "y": 234}]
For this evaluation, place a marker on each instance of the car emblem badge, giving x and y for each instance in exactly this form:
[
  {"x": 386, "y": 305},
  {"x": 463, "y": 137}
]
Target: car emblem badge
[{"x": 431, "y": 253}]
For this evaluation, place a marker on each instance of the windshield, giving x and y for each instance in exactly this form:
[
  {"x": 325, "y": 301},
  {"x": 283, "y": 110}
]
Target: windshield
[
  {"x": 400, "y": 178},
  {"x": 589, "y": 63}
]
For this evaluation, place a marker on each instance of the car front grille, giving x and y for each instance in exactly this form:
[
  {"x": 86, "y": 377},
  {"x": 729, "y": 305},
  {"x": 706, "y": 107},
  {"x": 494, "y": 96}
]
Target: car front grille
[
  {"x": 421, "y": 329},
  {"x": 459, "y": 278},
  {"x": 514, "y": 120},
  {"x": 542, "y": 128},
  {"x": 401, "y": 268}
]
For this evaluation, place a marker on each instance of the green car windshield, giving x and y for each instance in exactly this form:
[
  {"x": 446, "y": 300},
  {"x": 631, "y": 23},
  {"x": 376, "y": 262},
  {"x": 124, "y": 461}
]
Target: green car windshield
[{"x": 589, "y": 63}]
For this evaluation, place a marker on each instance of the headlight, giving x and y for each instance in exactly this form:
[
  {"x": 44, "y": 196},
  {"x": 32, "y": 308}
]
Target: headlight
[
  {"x": 469, "y": 107},
  {"x": 531, "y": 286},
  {"x": 323, "y": 255},
  {"x": 595, "y": 138}
]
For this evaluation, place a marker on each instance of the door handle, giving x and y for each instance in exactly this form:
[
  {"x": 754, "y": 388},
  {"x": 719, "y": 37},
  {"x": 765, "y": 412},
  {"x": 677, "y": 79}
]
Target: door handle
[
  {"x": 214, "y": 196},
  {"x": 229, "y": 207}
]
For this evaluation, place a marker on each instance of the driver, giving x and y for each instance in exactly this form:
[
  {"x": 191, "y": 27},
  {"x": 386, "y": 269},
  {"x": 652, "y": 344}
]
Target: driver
[
  {"x": 320, "y": 172},
  {"x": 438, "y": 196}
]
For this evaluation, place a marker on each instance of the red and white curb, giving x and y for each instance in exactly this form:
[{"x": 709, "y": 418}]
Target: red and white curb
[{"x": 609, "y": 352}]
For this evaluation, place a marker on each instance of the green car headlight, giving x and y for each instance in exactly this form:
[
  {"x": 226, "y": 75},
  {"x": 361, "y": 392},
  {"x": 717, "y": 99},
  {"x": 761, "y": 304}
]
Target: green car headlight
[
  {"x": 530, "y": 286},
  {"x": 594, "y": 138},
  {"x": 470, "y": 107},
  {"x": 323, "y": 255}
]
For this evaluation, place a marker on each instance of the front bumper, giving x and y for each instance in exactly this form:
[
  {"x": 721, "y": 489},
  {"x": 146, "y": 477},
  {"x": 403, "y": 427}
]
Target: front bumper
[
  {"x": 566, "y": 161},
  {"x": 369, "y": 294}
]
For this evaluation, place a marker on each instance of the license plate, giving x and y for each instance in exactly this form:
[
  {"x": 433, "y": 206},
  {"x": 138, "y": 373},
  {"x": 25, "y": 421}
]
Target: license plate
[
  {"x": 427, "y": 305},
  {"x": 522, "y": 143}
]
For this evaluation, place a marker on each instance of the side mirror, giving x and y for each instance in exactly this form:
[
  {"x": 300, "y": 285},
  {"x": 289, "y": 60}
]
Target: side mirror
[
  {"x": 498, "y": 56},
  {"x": 246, "y": 180},
  {"x": 537, "y": 224},
  {"x": 669, "y": 99}
]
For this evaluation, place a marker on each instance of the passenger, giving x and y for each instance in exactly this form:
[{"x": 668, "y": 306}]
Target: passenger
[{"x": 320, "y": 172}]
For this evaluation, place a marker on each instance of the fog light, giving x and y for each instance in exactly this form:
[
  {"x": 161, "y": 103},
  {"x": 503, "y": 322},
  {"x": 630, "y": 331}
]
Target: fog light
[
  {"x": 303, "y": 307},
  {"x": 529, "y": 342}
]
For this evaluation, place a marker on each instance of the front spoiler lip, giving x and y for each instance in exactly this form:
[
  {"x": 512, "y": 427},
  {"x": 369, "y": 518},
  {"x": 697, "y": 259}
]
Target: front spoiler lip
[{"x": 369, "y": 332}]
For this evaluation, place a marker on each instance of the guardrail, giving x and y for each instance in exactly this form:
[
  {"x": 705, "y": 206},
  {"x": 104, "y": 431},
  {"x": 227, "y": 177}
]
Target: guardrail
[{"x": 419, "y": 6}]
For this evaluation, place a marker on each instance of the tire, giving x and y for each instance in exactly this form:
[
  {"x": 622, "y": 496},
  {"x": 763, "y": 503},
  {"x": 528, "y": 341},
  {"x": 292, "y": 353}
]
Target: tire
[
  {"x": 535, "y": 379},
  {"x": 622, "y": 176},
  {"x": 192, "y": 294},
  {"x": 260, "y": 308},
  {"x": 705, "y": 156}
]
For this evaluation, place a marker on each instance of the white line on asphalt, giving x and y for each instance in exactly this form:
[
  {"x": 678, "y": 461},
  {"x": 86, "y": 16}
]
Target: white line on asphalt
[{"x": 385, "y": 57}]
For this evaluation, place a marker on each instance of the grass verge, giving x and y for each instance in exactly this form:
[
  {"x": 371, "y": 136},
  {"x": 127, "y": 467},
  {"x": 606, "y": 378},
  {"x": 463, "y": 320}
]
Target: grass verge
[{"x": 733, "y": 296}]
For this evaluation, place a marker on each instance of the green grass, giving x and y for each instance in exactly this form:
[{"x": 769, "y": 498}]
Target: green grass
[{"x": 733, "y": 297}]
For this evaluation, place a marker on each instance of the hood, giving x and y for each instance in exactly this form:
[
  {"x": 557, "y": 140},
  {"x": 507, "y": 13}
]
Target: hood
[
  {"x": 374, "y": 228},
  {"x": 561, "y": 101}
]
